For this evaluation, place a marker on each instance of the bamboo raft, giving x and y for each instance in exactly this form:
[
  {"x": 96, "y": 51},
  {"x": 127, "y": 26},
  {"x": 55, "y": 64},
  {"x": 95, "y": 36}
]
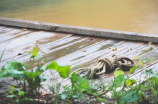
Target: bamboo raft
[{"x": 75, "y": 46}]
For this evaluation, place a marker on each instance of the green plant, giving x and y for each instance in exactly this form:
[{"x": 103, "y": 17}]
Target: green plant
[
  {"x": 141, "y": 63},
  {"x": 32, "y": 77},
  {"x": 151, "y": 85},
  {"x": 80, "y": 86},
  {"x": 113, "y": 88},
  {"x": 18, "y": 96},
  {"x": 54, "y": 87},
  {"x": 2, "y": 55},
  {"x": 119, "y": 88}
]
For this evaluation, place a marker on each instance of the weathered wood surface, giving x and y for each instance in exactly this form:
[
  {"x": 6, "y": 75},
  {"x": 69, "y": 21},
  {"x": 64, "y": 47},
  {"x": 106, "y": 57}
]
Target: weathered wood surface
[{"x": 70, "y": 49}]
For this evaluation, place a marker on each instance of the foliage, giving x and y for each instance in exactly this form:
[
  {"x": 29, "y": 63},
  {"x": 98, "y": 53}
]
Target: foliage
[
  {"x": 151, "y": 85},
  {"x": 79, "y": 87},
  {"x": 120, "y": 88},
  {"x": 32, "y": 77},
  {"x": 2, "y": 55},
  {"x": 133, "y": 69},
  {"x": 18, "y": 95},
  {"x": 63, "y": 70},
  {"x": 123, "y": 89},
  {"x": 55, "y": 87}
]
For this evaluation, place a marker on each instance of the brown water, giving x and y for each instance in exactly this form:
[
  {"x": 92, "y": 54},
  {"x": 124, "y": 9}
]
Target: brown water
[{"x": 125, "y": 15}]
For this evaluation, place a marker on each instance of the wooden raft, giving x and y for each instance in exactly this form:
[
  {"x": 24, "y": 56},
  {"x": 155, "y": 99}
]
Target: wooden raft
[{"x": 70, "y": 49}]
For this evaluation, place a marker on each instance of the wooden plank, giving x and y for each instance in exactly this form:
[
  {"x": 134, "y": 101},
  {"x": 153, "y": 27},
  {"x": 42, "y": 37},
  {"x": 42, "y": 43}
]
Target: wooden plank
[
  {"x": 9, "y": 31},
  {"x": 26, "y": 56},
  {"x": 72, "y": 50},
  {"x": 2, "y": 27},
  {"x": 28, "y": 47},
  {"x": 13, "y": 36},
  {"x": 81, "y": 53},
  {"x": 25, "y": 39}
]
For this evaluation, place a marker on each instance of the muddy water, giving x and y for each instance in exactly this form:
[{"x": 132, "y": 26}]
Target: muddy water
[{"x": 125, "y": 15}]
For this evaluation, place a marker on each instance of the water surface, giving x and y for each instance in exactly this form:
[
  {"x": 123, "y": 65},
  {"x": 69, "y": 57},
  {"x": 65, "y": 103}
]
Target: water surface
[{"x": 125, "y": 15}]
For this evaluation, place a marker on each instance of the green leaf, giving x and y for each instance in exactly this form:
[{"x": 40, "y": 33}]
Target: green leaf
[
  {"x": 118, "y": 72},
  {"x": 25, "y": 99},
  {"x": 36, "y": 82},
  {"x": 35, "y": 51},
  {"x": 130, "y": 97},
  {"x": 17, "y": 100},
  {"x": 130, "y": 82},
  {"x": 53, "y": 65},
  {"x": 16, "y": 74},
  {"x": 11, "y": 73},
  {"x": 102, "y": 100},
  {"x": 46, "y": 59},
  {"x": 75, "y": 95},
  {"x": 11, "y": 92},
  {"x": 141, "y": 63},
  {"x": 20, "y": 93},
  {"x": 43, "y": 78},
  {"x": 12, "y": 87},
  {"x": 119, "y": 77},
  {"x": 150, "y": 47},
  {"x": 2, "y": 55},
  {"x": 26, "y": 65},
  {"x": 83, "y": 85},
  {"x": 31, "y": 75},
  {"x": 62, "y": 70},
  {"x": 145, "y": 60},
  {"x": 73, "y": 78},
  {"x": 63, "y": 96},
  {"x": 38, "y": 57},
  {"x": 10, "y": 65},
  {"x": 3, "y": 73},
  {"x": 133, "y": 69},
  {"x": 118, "y": 80},
  {"x": 150, "y": 72},
  {"x": 11, "y": 96},
  {"x": 136, "y": 58}
]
